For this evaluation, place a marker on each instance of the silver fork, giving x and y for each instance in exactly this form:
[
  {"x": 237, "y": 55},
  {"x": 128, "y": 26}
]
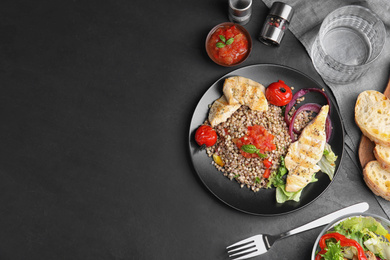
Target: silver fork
[{"x": 260, "y": 244}]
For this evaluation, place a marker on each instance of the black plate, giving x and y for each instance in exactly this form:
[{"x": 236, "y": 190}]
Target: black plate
[{"x": 264, "y": 201}]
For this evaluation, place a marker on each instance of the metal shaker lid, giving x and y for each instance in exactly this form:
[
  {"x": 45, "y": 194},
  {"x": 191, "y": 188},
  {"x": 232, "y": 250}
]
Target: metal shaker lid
[{"x": 283, "y": 10}]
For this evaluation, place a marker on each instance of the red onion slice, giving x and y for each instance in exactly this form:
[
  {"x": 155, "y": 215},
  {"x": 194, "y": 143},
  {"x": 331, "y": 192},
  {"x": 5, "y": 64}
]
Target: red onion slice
[
  {"x": 314, "y": 108},
  {"x": 299, "y": 94}
]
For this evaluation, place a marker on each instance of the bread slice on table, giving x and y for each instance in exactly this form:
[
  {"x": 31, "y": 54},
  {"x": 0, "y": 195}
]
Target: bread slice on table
[
  {"x": 377, "y": 179},
  {"x": 372, "y": 115},
  {"x": 382, "y": 155}
]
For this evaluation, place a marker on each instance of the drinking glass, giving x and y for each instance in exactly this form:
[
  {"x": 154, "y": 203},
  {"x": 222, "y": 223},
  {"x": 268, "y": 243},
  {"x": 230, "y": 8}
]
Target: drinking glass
[{"x": 349, "y": 41}]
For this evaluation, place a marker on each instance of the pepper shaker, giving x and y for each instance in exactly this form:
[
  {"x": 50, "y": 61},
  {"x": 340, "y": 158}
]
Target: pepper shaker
[{"x": 276, "y": 23}]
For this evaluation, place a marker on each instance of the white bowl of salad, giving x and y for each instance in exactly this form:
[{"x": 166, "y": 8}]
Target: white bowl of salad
[{"x": 357, "y": 237}]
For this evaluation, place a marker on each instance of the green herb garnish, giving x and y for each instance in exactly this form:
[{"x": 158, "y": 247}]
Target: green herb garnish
[
  {"x": 230, "y": 41},
  {"x": 220, "y": 45},
  {"x": 250, "y": 148},
  {"x": 224, "y": 41}
]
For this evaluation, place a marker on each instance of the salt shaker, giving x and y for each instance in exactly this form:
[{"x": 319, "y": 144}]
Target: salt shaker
[
  {"x": 240, "y": 11},
  {"x": 276, "y": 23}
]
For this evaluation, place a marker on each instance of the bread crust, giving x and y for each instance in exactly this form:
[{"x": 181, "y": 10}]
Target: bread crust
[
  {"x": 372, "y": 112},
  {"x": 377, "y": 179},
  {"x": 382, "y": 155}
]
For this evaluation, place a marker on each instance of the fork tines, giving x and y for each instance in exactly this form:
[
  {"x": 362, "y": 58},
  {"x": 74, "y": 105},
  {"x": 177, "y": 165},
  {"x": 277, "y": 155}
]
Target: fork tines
[{"x": 243, "y": 249}]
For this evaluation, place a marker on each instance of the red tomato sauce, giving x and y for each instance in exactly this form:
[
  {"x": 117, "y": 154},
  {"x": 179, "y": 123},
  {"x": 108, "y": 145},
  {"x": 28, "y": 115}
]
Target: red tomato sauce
[
  {"x": 259, "y": 137},
  {"x": 230, "y": 53}
]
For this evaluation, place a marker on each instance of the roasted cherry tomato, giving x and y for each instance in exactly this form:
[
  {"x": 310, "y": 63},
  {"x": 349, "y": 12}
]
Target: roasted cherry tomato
[
  {"x": 205, "y": 135},
  {"x": 278, "y": 93}
]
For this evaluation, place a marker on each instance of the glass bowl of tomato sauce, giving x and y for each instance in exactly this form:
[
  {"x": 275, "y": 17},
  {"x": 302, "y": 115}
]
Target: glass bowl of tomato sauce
[{"x": 228, "y": 44}]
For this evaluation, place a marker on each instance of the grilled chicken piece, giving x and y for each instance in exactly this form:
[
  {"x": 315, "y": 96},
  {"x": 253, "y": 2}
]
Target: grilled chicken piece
[
  {"x": 303, "y": 155},
  {"x": 244, "y": 91},
  {"x": 220, "y": 111}
]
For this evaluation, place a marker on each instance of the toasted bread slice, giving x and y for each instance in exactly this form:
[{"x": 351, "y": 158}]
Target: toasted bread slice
[
  {"x": 372, "y": 115},
  {"x": 220, "y": 111},
  {"x": 244, "y": 91},
  {"x": 382, "y": 155},
  {"x": 377, "y": 179}
]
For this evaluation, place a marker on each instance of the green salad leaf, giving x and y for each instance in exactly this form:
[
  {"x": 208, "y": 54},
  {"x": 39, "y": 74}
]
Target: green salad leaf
[
  {"x": 327, "y": 162},
  {"x": 282, "y": 195},
  {"x": 333, "y": 252},
  {"x": 356, "y": 224},
  {"x": 368, "y": 232},
  {"x": 276, "y": 179}
]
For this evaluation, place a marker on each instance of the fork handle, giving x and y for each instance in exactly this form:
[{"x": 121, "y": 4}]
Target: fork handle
[{"x": 357, "y": 208}]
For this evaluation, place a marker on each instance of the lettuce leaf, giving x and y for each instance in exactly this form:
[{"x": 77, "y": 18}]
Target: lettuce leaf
[
  {"x": 276, "y": 178},
  {"x": 378, "y": 247},
  {"x": 368, "y": 232},
  {"x": 333, "y": 251},
  {"x": 356, "y": 224},
  {"x": 282, "y": 195},
  {"x": 327, "y": 162}
]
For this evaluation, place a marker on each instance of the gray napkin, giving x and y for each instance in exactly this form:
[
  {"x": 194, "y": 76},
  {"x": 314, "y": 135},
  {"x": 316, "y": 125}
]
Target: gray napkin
[{"x": 305, "y": 24}]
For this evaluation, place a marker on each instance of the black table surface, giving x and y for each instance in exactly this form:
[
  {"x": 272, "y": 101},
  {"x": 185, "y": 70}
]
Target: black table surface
[{"x": 95, "y": 105}]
